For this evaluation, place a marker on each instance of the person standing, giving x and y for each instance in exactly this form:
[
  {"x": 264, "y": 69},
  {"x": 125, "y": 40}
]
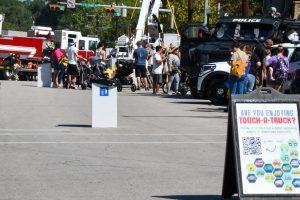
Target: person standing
[
  {"x": 253, "y": 64},
  {"x": 141, "y": 55},
  {"x": 237, "y": 83},
  {"x": 261, "y": 72},
  {"x": 279, "y": 68},
  {"x": 59, "y": 70},
  {"x": 73, "y": 56},
  {"x": 158, "y": 65},
  {"x": 101, "y": 52},
  {"x": 174, "y": 64},
  {"x": 149, "y": 64}
]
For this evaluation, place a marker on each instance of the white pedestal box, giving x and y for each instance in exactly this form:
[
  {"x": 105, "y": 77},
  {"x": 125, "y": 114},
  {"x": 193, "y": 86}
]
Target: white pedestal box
[
  {"x": 44, "y": 75},
  {"x": 104, "y": 106}
]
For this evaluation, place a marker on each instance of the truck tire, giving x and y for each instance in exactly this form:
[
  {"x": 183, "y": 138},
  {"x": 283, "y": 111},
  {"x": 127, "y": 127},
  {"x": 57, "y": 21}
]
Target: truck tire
[{"x": 217, "y": 92}]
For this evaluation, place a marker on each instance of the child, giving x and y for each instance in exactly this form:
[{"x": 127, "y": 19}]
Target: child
[{"x": 267, "y": 64}]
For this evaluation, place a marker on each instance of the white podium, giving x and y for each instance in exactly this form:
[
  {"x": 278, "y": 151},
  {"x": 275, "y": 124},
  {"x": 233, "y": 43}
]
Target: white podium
[
  {"x": 44, "y": 74},
  {"x": 104, "y": 106}
]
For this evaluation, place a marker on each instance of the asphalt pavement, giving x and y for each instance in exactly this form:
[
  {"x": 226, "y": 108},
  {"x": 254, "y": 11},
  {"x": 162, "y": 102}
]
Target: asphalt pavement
[{"x": 165, "y": 147}]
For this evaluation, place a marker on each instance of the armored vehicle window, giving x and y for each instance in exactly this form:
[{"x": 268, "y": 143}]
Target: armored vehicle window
[
  {"x": 191, "y": 32},
  {"x": 244, "y": 31},
  {"x": 195, "y": 32}
]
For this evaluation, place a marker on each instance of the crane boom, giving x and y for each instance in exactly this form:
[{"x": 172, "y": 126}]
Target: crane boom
[
  {"x": 148, "y": 9},
  {"x": 140, "y": 28}
]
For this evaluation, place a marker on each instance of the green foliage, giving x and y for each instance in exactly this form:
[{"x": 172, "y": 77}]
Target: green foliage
[
  {"x": 96, "y": 21},
  {"x": 17, "y": 17}
]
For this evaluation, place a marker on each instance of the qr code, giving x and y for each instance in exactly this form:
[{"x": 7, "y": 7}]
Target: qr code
[{"x": 252, "y": 145}]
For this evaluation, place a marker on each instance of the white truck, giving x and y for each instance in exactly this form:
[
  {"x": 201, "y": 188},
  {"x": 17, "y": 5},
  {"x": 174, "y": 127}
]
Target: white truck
[{"x": 212, "y": 77}]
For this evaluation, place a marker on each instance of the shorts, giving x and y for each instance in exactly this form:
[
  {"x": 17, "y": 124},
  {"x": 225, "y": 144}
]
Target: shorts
[
  {"x": 157, "y": 79},
  {"x": 141, "y": 71},
  {"x": 72, "y": 70}
]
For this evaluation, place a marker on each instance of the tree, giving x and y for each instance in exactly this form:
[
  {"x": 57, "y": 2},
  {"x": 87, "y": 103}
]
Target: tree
[{"x": 17, "y": 17}]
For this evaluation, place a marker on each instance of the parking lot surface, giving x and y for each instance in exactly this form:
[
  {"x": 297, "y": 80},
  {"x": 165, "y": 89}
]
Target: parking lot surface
[{"x": 164, "y": 147}]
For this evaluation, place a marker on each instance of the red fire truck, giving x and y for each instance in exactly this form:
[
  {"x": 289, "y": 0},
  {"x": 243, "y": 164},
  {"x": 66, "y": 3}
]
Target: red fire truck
[{"x": 29, "y": 53}]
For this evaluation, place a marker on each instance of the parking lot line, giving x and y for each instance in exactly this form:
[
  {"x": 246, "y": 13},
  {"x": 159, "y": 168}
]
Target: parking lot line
[
  {"x": 66, "y": 142},
  {"x": 33, "y": 130},
  {"x": 102, "y": 134}
]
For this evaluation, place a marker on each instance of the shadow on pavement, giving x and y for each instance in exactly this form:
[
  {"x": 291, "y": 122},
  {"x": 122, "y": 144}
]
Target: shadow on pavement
[
  {"x": 166, "y": 116},
  {"x": 193, "y": 102},
  {"x": 24, "y": 85},
  {"x": 221, "y": 110},
  {"x": 75, "y": 125},
  {"x": 176, "y": 96},
  {"x": 192, "y": 197}
]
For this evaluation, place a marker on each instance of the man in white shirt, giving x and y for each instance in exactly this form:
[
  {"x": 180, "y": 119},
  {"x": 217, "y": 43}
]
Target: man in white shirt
[
  {"x": 158, "y": 64},
  {"x": 73, "y": 56}
]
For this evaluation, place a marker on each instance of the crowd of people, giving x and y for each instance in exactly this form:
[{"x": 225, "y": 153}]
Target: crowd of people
[
  {"x": 257, "y": 67},
  {"x": 153, "y": 67},
  {"x": 252, "y": 67}
]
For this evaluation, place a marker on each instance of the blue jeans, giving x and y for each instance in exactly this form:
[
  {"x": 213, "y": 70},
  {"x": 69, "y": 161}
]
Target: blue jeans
[
  {"x": 236, "y": 85},
  {"x": 249, "y": 83},
  {"x": 173, "y": 77},
  {"x": 61, "y": 75}
]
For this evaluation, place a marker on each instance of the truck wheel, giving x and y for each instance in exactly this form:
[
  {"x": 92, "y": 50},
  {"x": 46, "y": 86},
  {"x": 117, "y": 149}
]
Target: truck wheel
[{"x": 217, "y": 92}]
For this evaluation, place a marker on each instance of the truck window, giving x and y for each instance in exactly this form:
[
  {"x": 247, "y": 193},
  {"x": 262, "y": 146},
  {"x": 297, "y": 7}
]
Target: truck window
[
  {"x": 81, "y": 45},
  {"x": 93, "y": 45},
  {"x": 192, "y": 32},
  {"x": 72, "y": 36}
]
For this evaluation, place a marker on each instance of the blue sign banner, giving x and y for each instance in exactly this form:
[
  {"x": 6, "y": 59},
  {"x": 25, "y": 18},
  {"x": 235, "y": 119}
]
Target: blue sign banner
[{"x": 104, "y": 91}]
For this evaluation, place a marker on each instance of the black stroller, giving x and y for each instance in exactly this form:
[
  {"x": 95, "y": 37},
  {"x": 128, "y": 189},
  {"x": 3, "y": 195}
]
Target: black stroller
[
  {"x": 123, "y": 72},
  {"x": 94, "y": 72}
]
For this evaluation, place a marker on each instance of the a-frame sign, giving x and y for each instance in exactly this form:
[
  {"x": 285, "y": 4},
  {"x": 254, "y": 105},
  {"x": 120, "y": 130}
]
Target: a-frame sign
[{"x": 263, "y": 147}]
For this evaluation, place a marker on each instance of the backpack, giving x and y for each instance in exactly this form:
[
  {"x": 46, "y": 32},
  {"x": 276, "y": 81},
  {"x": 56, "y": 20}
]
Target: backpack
[
  {"x": 238, "y": 68},
  {"x": 281, "y": 68}
]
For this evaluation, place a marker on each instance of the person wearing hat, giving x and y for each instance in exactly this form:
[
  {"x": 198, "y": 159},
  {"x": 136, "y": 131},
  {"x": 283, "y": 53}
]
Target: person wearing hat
[
  {"x": 73, "y": 56},
  {"x": 174, "y": 64}
]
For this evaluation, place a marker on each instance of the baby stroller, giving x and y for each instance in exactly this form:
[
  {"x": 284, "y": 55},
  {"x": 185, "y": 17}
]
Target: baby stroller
[
  {"x": 95, "y": 71},
  {"x": 123, "y": 73}
]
